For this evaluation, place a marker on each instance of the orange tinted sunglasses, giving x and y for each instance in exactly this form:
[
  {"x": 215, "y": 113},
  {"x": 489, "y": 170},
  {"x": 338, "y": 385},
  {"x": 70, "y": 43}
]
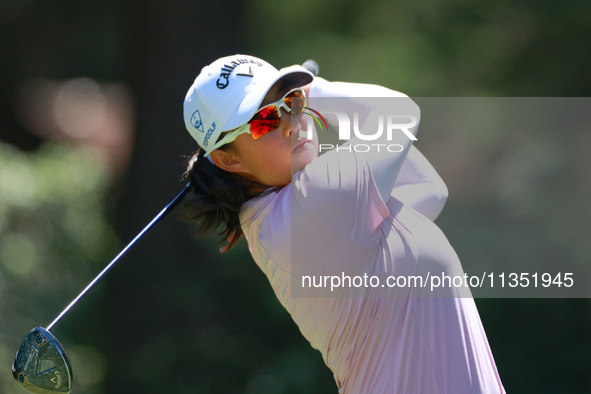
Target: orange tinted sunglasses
[{"x": 268, "y": 118}]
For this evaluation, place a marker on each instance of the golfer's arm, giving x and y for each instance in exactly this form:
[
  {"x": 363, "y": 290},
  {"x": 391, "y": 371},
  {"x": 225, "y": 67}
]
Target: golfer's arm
[
  {"x": 419, "y": 186},
  {"x": 385, "y": 165}
]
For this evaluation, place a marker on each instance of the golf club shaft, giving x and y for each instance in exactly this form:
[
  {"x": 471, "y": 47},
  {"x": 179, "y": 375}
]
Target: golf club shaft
[
  {"x": 310, "y": 65},
  {"x": 154, "y": 221}
]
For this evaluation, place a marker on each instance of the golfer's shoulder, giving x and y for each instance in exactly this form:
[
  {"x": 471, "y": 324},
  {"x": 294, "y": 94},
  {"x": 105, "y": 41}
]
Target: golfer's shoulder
[
  {"x": 339, "y": 176},
  {"x": 273, "y": 205},
  {"x": 337, "y": 191}
]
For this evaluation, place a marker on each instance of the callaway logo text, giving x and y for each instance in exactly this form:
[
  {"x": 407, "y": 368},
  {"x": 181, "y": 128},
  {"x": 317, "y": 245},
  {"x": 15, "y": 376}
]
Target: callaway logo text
[{"x": 225, "y": 71}]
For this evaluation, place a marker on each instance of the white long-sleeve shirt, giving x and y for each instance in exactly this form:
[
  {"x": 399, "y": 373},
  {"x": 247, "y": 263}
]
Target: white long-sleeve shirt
[{"x": 335, "y": 219}]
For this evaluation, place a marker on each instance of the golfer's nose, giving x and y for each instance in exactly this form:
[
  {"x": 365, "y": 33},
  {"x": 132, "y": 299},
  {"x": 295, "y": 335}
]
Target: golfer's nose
[{"x": 285, "y": 123}]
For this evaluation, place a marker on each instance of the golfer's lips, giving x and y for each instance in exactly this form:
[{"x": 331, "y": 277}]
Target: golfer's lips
[{"x": 299, "y": 143}]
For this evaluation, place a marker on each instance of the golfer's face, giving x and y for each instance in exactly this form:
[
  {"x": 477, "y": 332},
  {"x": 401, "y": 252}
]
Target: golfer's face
[{"x": 276, "y": 156}]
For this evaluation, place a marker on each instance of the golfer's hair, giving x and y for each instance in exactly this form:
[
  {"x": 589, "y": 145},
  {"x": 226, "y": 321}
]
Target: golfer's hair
[{"x": 215, "y": 199}]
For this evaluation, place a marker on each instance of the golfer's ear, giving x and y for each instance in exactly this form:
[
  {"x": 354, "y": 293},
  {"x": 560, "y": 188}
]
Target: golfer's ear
[{"x": 227, "y": 161}]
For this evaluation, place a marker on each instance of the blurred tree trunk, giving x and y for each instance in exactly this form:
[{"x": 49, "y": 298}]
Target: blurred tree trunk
[{"x": 169, "y": 43}]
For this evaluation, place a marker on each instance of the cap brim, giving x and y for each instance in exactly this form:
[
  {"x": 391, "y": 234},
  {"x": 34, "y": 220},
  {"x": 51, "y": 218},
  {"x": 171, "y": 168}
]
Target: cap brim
[{"x": 294, "y": 76}]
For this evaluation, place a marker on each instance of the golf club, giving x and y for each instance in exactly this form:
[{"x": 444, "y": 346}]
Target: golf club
[{"x": 41, "y": 365}]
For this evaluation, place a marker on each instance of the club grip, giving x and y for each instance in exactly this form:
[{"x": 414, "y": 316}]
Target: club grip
[{"x": 311, "y": 66}]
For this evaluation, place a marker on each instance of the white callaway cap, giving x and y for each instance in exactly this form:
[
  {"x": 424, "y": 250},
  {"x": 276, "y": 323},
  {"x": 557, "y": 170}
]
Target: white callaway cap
[{"x": 228, "y": 92}]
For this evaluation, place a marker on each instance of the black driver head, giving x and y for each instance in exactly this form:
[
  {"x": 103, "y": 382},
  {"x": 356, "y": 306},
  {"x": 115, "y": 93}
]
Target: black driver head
[{"x": 42, "y": 365}]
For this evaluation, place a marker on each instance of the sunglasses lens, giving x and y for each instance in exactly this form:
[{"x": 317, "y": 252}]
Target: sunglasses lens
[
  {"x": 265, "y": 121},
  {"x": 268, "y": 118},
  {"x": 296, "y": 101}
]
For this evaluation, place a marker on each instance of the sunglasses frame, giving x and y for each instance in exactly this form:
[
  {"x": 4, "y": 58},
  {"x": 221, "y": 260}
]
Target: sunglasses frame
[{"x": 245, "y": 128}]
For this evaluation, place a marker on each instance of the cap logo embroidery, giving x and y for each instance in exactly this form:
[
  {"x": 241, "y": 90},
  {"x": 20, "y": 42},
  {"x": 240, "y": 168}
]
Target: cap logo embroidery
[
  {"x": 196, "y": 121},
  {"x": 249, "y": 72},
  {"x": 223, "y": 81}
]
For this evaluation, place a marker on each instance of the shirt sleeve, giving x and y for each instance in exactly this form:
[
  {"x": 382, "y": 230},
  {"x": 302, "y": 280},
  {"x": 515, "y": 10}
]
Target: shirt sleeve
[
  {"x": 419, "y": 186},
  {"x": 371, "y": 102},
  {"x": 338, "y": 191}
]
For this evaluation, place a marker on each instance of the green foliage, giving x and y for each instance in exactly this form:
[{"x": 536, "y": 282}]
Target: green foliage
[
  {"x": 54, "y": 236},
  {"x": 433, "y": 48}
]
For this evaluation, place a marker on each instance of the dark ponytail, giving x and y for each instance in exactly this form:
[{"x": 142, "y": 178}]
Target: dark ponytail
[{"x": 216, "y": 199}]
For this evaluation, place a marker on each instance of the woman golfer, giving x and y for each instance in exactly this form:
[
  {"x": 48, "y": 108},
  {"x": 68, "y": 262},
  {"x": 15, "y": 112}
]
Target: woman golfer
[{"x": 347, "y": 238}]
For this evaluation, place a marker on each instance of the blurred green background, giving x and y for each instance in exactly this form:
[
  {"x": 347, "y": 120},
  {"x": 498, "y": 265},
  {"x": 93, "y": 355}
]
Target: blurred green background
[{"x": 92, "y": 146}]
